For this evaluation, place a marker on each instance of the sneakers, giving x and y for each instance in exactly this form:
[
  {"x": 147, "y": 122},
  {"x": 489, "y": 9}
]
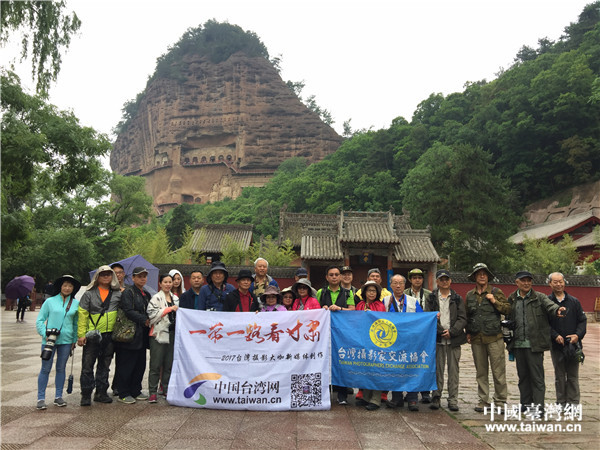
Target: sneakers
[
  {"x": 152, "y": 399},
  {"x": 453, "y": 407},
  {"x": 342, "y": 402},
  {"x": 412, "y": 406},
  {"x": 59, "y": 402},
  {"x": 372, "y": 407},
  {"x": 129, "y": 400},
  {"x": 160, "y": 390},
  {"x": 142, "y": 397},
  {"x": 435, "y": 403},
  {"x": 425, "y": 397},
  {"x": 86, "y": 400},
  {"x": 41, "y": 404},
  {"x": 102, "y": 397}
]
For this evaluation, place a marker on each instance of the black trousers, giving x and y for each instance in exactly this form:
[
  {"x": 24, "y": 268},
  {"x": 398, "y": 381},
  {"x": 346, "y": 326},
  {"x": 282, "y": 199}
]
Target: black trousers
[
  {"x": 21, "y": 308},
  {"x": 96, "y": 352},
  {"x": 131, "y": 365}
]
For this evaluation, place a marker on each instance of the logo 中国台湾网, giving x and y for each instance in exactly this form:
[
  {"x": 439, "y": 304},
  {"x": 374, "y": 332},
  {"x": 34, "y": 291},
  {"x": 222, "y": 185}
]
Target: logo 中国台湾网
[
  {"x": 195, "y": 384},
  {"x": 383, "y": 333}
]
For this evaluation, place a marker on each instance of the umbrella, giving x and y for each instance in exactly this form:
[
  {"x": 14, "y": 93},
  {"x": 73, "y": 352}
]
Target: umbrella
[{"x": 19, "y": 286}]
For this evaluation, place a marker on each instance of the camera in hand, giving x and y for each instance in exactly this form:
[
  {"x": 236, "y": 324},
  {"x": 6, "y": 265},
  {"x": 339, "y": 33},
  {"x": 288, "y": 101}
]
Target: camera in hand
[
  {"x": 51, "y": 335},
  {"x": 508, "y": 327},
  {"x": 93, "y": 337}
]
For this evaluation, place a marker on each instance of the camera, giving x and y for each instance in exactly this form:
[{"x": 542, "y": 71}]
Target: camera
[
  {"x": 508, "y": 327},
  {"x": 51, "y": 335},
  {"x": 93, "y": 337}
]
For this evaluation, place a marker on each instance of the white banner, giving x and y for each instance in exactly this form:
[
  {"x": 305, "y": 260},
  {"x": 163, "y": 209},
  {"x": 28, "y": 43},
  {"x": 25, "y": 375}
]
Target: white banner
[{"x": 270, "y": 361}]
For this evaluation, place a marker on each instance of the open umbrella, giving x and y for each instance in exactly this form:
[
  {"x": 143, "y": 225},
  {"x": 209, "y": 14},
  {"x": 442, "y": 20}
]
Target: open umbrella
[{"x": 19, "y": 287}]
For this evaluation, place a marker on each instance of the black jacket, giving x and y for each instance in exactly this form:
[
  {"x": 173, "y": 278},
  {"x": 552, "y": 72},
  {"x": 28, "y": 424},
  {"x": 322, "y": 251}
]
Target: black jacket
[
  {"x": 134, "y": 304},
  {"x": 458, "y": 317},
  {"x": 574, "y": 323},
  {"x": 232, "y": 302}
]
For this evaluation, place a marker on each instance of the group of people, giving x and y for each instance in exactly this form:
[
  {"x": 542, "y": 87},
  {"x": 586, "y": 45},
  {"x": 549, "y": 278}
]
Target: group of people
[{"x": 536, "y": 323}]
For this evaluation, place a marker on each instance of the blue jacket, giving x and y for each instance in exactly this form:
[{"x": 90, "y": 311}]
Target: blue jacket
[
  {"x": 211, "y": 298},
  {"x": 53, "y": 314}
]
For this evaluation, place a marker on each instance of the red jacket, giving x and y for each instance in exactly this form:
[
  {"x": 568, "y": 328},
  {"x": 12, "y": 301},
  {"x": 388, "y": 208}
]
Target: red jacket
[
  {"x": 377, "y": 305},
  {"x": 309, "y": 303}
]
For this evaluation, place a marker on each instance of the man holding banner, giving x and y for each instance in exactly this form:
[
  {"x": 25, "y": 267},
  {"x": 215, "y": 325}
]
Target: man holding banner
[
  {"x": 450, "y": 336},
  {"x": 399, "y": 302}
]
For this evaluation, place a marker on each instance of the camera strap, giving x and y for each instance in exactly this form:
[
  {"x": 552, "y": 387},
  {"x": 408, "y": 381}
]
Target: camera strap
[
  {"x": 105, "y": 305},
  {"x": 66, "y": 311}
]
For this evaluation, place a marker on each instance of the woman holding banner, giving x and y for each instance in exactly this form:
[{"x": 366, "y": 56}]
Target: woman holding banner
[
  {"x": 161, "y": 312},
  {"x": 371, "y": 292}
]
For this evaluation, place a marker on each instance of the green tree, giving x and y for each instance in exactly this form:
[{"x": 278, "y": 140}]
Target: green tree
[
  {"x": 46, "y": 31},
  {"x": 41, "y": 147},
  {"x": 130, "y": 204},
  {"x": 543, "y": 256},
  {"x": 233, "y": 252},
  {"x": 469, "y": 208},
  {"x": 51, "y": 253},
  {"x": 269, "y": 249},
  {"x": 181, "y": 218}
]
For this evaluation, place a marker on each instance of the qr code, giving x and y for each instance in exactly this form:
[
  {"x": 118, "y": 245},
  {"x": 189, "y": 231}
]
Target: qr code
[{"x": 306, "y": 390}]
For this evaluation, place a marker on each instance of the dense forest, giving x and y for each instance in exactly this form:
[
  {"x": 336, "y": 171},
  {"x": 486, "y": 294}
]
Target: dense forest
[{"x": 465, "y": 164}]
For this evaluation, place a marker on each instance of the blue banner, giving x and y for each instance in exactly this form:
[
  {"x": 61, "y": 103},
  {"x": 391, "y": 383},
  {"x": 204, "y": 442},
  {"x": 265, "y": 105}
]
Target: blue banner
[{"x": 384, "y": 351}]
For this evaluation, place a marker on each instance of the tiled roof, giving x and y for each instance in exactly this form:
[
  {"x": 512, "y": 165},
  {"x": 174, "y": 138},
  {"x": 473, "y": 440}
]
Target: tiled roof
[
  {"x": 211, "y": 238},
  {"x": 368, "y": 232},
  {"x": 585, "y": 241},
  {"x": 555, "y": 227},
  {"x": 293, "y": 225},
  {"x": 416, "y": 246},
  {"x": 321, "y": 246},
  {"x": 324, "y": 236}
]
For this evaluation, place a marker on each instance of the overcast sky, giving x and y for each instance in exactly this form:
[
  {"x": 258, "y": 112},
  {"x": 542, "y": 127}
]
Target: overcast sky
[{"x": 368, "y": 60}]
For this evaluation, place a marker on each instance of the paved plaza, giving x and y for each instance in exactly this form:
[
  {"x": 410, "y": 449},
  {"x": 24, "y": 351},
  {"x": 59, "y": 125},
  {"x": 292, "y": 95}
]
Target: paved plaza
[{"x": 143, "y": 425}]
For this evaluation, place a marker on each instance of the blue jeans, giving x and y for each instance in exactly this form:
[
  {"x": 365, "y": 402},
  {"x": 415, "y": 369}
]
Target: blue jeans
[{"x": 62, "y": 351}]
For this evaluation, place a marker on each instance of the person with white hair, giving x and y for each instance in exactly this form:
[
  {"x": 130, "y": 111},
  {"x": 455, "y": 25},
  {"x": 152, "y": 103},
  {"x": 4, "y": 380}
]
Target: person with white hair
[{"x": 261, "y": 278}]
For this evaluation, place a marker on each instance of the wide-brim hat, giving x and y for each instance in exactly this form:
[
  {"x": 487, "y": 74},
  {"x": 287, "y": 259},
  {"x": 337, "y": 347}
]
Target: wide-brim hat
[
  {"x": 217, "y": 265},
  {"x": 244, "y": 273},
  {"x": 271, "y": 290},
  {"x": 304, "y": 282},
  {"x": 369, "y": 284},
  {"x": 481, "y": 266},
  {"x": 71, "y": 279}
]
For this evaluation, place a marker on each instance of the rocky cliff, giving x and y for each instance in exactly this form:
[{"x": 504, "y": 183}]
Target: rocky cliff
[{"x": 215, "y": 129}]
